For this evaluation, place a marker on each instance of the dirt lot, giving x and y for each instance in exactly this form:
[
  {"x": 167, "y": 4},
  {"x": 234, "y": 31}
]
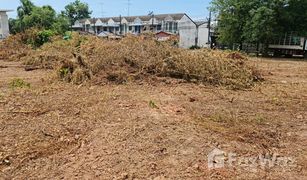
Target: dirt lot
[{"x": 161, "y": 129}]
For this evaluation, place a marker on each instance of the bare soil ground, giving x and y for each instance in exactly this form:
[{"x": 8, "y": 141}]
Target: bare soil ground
[{"x": 161, "y": 129}]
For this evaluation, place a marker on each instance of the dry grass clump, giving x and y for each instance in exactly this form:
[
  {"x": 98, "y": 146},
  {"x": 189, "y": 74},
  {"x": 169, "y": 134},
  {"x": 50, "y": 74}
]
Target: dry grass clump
[
  {"x": 54, "y": 53},
  {"x": 86, "y": 57},
  {"x": 214, "y": 68},
  {"x": 13, "y": 48},
  {"x": 136, "y": 57}
]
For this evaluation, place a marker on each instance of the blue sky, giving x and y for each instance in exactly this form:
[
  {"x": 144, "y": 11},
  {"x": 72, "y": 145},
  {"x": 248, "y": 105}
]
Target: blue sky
[{"x": 194, "y": 8}]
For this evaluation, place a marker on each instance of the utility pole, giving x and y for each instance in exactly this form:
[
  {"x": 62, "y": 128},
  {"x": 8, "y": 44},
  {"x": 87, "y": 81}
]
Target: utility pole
[
  {"x": 94, "y": 19},
  {"x": 152, "y": 23},
  {"x": 151, "y": 13},
  {"x": 209, "y": 29},
  {"x": 120, "y": 24}
]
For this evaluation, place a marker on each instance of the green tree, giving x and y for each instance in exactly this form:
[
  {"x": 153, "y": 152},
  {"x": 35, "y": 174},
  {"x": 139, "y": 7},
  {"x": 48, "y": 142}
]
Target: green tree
[
  {"x": 260, "y": 28},
  {"x": 44, "y": 17},
  {"x": 233, "y": 15},
  {"x": 77, "y": 10},
  {"x": 15, "y": 26},
  {"x": 294, "y": 16},
  {"x": 40, "y": 17},
  {"x": 61, "y": 24},
  {"x": 25, "y": 8},
  {"x": 256, "y": 21}
]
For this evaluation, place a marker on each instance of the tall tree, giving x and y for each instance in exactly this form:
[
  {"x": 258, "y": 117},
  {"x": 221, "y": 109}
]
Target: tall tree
[
  {"x": 76, "y": 11},
  {"x": 40, "y": 17},
  {"x": 295, "y": 15},
  {"x": 25, "y": 8},
  {"x": 256, "y": 21},
  {"x": 232, "y": 15},
  {"x": 61, "y": 24},
  {"x": 43, "y": 17},
  {"x": 261, "y": 27}
]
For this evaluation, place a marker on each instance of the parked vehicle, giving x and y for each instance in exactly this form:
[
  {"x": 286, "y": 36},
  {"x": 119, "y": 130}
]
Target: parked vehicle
[{"x": 290, "y": 45}]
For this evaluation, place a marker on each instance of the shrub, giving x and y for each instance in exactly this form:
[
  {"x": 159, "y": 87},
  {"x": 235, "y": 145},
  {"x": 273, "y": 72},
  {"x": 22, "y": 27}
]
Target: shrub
[
  {"x": 43, "y": 37},
  {"x": 38, "y": 38}
]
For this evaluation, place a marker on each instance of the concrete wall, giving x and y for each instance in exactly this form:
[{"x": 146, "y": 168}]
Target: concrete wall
[
  {"x": 4, "y": 25},
  {"x": 187, "y": 32},
  {"x": 192, "y": 35},
  {"x": 203, "y": 35}
]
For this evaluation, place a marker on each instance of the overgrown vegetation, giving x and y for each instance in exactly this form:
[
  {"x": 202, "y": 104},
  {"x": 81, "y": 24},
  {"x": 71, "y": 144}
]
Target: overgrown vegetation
[
  {"x": 22, "y": 44},
  {"x": 84, "y": 58}
]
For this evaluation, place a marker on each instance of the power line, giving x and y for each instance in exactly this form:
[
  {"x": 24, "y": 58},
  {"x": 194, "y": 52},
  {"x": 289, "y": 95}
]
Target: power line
[
  {"x": 128, "y": 6},
  {"x": 102, "y": 9}
]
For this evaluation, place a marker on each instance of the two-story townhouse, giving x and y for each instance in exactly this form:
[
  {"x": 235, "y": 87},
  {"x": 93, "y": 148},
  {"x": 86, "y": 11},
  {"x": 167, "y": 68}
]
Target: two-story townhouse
[
  {"x": 131, "y": 24},
  {"x": 190, "y": 33}
]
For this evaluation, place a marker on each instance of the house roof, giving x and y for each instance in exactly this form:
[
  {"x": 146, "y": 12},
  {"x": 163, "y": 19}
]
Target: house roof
[
  {"x": 5, "y": 10},
  {"x": 175, "y": 17},
  {"x": 199, "y": 23},
  {"x": 164, "y": 32}
]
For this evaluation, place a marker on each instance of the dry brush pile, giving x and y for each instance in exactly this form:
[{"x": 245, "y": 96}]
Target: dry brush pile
[
  {"x": 132, "y": 58},
  {"x": 13, "y": 48}
]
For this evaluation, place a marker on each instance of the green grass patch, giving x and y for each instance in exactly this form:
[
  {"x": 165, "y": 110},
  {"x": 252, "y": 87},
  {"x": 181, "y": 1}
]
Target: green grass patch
[{"x": 19, "y": 83}]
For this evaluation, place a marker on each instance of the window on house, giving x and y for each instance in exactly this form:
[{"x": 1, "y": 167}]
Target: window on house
[
  {"x": 123, "y": 28},
  {"x": 159, "y": 27},
  {"x": 175, "y": 27},
  {"x": 138, "y": 29},
  {"x": 130, "y": 28},
  {"x": 170, "y": 26},
  {"x": 166, "y": 27},
  {"x": 126, "y": 28}
]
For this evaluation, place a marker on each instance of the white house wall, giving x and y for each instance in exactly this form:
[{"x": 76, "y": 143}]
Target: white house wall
[
  {"x": 4, "y": 25},
  {"x": 187, "y": 32},
  {"x": 203, "y": 35}
]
